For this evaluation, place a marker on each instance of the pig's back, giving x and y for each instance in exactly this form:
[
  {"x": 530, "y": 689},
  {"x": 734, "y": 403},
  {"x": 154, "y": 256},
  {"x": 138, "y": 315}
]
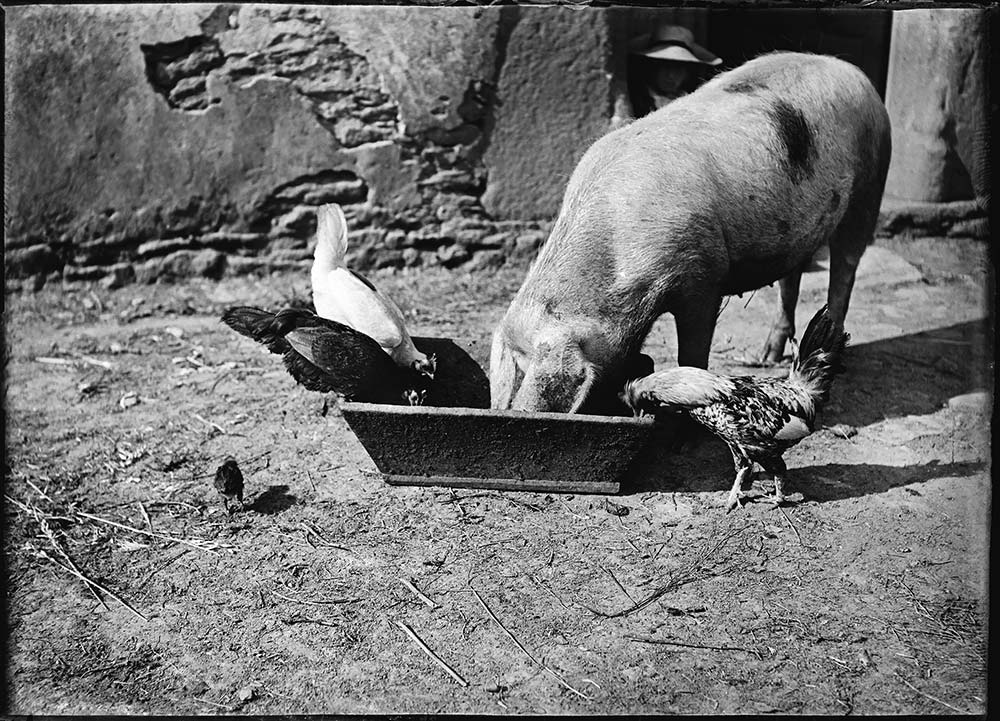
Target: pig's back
[
  {"x": 779, "y": 116},
  {"x": 762, "y": 155}
]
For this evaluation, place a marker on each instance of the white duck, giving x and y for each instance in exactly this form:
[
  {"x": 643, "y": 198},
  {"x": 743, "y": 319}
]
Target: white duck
[{"x": 342, "y": 295}]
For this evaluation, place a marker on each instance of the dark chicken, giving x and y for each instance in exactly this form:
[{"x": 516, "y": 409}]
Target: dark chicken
[
  {"x": 229, "y": 482},
  {"x": 326, "y": 356},
  {"x": 758, "y": 418}
]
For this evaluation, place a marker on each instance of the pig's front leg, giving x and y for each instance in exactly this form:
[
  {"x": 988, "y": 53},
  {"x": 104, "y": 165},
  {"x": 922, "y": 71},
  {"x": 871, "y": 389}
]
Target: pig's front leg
[
  {"x": 783, "y": 327},
  {"x": 695, "y": 326}
]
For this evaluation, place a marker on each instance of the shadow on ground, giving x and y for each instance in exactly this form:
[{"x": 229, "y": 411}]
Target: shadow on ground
[
  {"x": 708, "y": 467},
  {"x": 913, "y": 374},
  {"x": 274, "y": 500}
]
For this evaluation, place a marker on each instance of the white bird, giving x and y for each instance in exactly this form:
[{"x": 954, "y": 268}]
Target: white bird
[{"x": 344, "y": 296}]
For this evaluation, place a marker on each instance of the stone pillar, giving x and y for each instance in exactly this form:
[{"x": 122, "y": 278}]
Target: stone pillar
[{"x": 936, "y": 97}]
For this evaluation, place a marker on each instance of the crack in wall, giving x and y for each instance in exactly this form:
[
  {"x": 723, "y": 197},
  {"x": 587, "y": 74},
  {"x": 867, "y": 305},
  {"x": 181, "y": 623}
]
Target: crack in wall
[{"x": 178, "y": 70}]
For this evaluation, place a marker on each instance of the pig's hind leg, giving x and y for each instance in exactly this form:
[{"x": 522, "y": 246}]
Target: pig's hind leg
[
  {"x": 852, "y": 237},
  {"x": 783, "y": 327}
]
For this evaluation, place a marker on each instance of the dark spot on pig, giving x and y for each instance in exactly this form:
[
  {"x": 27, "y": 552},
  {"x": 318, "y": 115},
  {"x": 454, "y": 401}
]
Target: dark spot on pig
[
  {"x": 783, "y": 227},
  {"x": 751, "y": 198},
  {"x": 796, "y": 136},
  {"x": 748, "y": 85},
  {"x": 834, "y": 201},
  {"x": 551, "y": 306}
]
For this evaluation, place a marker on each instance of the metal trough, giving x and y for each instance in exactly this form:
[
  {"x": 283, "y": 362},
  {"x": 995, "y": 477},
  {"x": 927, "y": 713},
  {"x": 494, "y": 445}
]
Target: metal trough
[{"x": 458, "y": 442}]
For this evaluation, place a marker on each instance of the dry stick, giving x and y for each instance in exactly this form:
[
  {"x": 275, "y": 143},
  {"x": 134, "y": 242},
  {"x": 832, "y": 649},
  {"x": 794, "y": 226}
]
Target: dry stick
[
  {"x": 96, "y": 585},
  {"x": 932, "y": 698},
  {"x": 417, "y": 593},
  {"x": 145, "y": 515},
  {"x": 789, "y": 520},
  {"x": 47, "y": 532},
  {"x": 667, "y": 642},
  {"x": 517, "y": 643},
  {"x": 210, "y": 423},
  {"x": 55, "y": 361},
  {"x": 423, "y": 647},
  {"x": 94, "y": 361},
  {"x": 618, "y": 583},
  {"x": 39, "y": 491},
  {"x": 147, "y": 533}
]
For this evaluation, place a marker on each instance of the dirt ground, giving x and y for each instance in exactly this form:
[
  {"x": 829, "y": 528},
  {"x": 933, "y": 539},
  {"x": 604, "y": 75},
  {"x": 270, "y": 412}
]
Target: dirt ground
[{"x": 867, "y": 595}]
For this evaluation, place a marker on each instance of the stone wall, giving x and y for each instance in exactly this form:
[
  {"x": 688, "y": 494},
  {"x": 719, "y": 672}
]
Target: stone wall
[
  {"x": 150, "y": 142},
  {"x": 147, "y": 142}
]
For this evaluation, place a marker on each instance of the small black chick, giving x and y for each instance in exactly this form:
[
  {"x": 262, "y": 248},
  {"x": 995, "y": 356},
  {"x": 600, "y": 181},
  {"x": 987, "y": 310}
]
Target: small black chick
[
  {"x": 326, "y": 356},
  {"x": 229, "y": 482},
  {"x": 758, "y": 418}
]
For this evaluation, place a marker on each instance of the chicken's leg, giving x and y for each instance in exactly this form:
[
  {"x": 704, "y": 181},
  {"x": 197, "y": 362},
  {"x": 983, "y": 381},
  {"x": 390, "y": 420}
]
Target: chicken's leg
[
  {"x": 777, "y": 468},
  {"x": 744, "y": 466}
]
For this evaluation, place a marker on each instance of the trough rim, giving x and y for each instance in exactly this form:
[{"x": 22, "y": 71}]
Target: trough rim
[{"x": 638, "y": 422}]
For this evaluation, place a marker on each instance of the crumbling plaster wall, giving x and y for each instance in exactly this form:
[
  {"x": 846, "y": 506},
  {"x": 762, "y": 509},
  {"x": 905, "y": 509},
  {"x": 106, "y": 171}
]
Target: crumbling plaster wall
[{"x": 145, "y": 142}]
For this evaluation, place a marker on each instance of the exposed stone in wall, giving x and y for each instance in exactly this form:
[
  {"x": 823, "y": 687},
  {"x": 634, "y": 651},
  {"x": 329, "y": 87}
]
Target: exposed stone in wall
[
  {"x": 200, "y": 139},
  {"x": 178, "y": 70}
]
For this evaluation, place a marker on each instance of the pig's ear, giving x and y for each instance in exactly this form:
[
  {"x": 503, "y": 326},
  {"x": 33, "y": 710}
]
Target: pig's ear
[
  {"x": 559, "y": 379},
  {"x": 505, "y": 375}
]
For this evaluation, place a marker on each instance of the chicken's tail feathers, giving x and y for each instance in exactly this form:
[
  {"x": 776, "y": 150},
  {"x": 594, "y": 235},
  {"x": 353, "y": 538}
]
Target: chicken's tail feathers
[
  {"x": 819, "y": 356},
  {"x": 257, "y": 324},
  {"x": 331, "y": 235}
]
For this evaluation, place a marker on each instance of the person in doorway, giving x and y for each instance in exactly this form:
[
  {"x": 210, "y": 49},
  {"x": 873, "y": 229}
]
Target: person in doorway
[{"x": 664, "y": 65}]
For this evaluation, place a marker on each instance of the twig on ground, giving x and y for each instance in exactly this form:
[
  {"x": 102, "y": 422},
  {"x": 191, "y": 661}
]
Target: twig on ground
[
  {"x": 76, "y": 361},
  {"x": 423, "y": 647},
  {"x": 416, "y": 592},
  {"x": 517, "y": 643},
  {"x": 551, "y": 592},
  {"x": 47, "y": 532},
  {"x": 91, "y": 585},
  {"x": 566, "y": 506},
  {"x": 668, "y": 642},
  {"x": 312, "y": 530},
  {"x": 106, "y": 365},
  {"x": 199, "y": 544},
  {"x": 210, "y": 423},
  {"x": 160, "y": 567},
  {"x": 927, "y": 695},
  {"x": 310, "y": 479},
  {"x": 145, "y": 516},
  {"x": 39, "y": 491},
  {"x": 618, "y": 583},
  {"x": 792, "y": 525},
  {"x": 54, "y": 361}
]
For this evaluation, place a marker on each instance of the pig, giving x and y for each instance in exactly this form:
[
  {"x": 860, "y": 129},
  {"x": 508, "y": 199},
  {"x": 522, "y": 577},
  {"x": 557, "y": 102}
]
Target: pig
[{"x": 725, "y": 190}]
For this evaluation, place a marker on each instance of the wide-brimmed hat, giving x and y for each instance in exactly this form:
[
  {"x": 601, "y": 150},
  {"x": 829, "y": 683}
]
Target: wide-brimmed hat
[{"x": 672, "y": 42}]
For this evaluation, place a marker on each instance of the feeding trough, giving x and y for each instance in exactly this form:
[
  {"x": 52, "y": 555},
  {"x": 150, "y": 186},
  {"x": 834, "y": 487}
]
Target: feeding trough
[{"x": 456, "y": 440}]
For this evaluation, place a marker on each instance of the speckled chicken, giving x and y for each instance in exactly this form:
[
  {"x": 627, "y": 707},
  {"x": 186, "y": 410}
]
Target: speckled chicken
[
  {"x": 758, "y": 418},
  {"x": 327, "y": 356},
  {"x": 229, "y": 482},
  {"x": 343, "y": 295}
]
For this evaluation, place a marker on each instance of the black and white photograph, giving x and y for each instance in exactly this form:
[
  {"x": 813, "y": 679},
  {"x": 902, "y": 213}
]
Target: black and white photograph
[{"x": 498, "y": 358}]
